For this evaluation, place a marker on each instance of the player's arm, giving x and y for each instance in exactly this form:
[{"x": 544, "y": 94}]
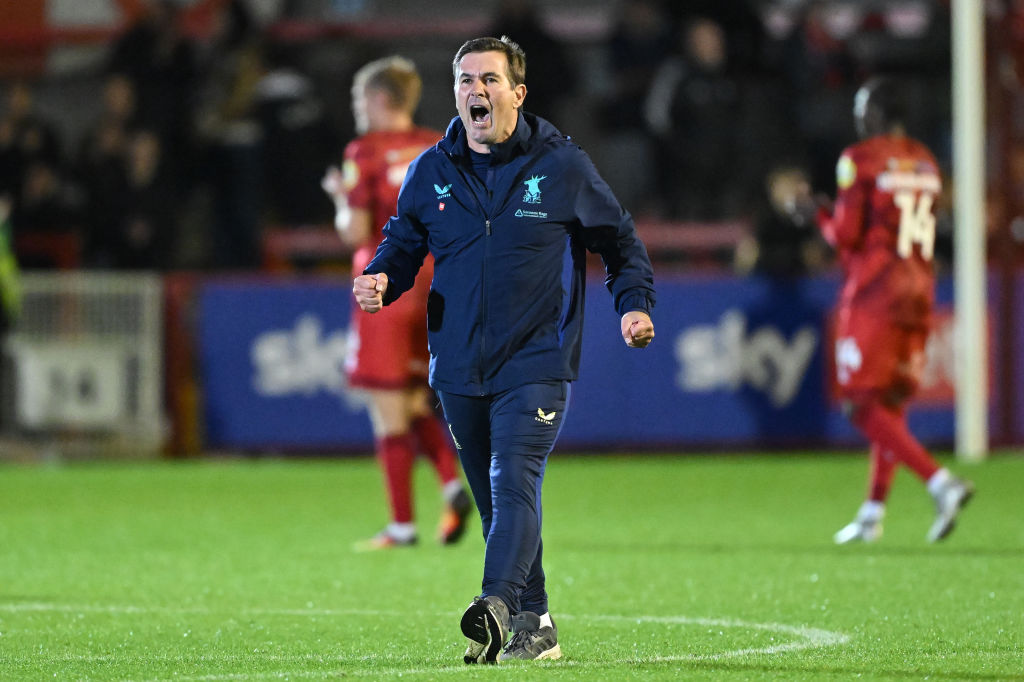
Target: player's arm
[
  {"x": 843, "y": 228},
  {"x": 354, "y": 225}
]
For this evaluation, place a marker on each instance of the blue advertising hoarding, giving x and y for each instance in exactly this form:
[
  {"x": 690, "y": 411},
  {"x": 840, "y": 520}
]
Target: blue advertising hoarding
[
  {"x": 737, "y": 363},
  {"x": 271, "y": 357}
]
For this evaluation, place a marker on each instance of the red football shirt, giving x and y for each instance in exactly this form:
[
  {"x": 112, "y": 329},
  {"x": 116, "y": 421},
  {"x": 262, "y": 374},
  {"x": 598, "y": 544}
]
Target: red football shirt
[
  {"x": 883, "y": 227},
  {"x": 372, "y": 173},
  {"x": 386, "y": 350}
]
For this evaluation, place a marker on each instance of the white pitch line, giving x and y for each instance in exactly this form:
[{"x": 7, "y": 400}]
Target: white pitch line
[{"x": 807, "y": 637}]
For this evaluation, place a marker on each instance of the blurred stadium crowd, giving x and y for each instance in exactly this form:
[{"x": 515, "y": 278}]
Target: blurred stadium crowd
[{"x": 177, "y": 134}]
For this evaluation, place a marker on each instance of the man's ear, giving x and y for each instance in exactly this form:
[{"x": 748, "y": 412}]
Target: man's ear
[{"x": 520, "y": 91}]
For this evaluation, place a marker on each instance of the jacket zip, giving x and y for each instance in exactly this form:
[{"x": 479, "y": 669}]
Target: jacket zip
[{"x": 469, "y": 178}]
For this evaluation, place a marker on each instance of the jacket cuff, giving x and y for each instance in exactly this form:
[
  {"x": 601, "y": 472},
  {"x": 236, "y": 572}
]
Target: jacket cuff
[{"x": 637, "y": 301}]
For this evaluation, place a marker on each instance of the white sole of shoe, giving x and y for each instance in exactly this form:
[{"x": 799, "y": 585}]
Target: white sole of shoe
[
  {"x": 483, "y": 633},
  {"x": 552, "y": 654},
  {"x": 856, "y": 532}
]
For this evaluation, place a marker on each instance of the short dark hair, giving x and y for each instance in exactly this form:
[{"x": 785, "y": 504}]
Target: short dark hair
[
  {"x": 887, "y": 96},
  {"x": 514, "y": 54}
]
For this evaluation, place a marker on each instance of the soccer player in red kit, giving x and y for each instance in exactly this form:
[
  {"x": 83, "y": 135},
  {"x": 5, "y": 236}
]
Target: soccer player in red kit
[
  {"x": 883, "y": 228},
  {"x": 387, "y": 354}
]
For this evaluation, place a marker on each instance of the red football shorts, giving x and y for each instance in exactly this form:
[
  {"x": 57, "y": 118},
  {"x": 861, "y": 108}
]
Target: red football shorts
[
  {"x": 872, "y": 354},
  {"x": 388, "y": 349}
]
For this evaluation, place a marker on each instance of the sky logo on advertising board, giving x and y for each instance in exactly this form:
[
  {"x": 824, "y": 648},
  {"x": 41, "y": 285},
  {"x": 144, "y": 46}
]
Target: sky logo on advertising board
[
  {"x": 727, "y": 356},
  {"x": 302, "y": 360}
]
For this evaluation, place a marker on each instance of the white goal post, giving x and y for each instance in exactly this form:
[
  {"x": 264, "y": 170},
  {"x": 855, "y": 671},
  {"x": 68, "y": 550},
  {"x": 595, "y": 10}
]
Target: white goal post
[{"x": 969, "y": 272}]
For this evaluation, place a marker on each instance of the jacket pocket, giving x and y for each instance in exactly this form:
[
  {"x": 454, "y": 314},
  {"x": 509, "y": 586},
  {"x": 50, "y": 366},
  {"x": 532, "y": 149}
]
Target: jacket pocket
[{"x": 435, "y": 311}]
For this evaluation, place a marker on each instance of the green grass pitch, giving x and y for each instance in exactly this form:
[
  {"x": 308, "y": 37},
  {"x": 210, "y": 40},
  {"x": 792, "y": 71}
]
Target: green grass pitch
[{"x": 659, "y": 568}]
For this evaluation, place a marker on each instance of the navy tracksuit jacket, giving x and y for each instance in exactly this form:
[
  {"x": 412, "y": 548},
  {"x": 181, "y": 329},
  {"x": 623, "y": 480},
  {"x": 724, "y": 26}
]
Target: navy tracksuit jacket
[
  {"x": 505, "y": 314},
  {"x": 506, "y": 303}
]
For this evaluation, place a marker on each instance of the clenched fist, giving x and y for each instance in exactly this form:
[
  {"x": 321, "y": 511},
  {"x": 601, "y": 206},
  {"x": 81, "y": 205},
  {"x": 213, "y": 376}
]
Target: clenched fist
[
  {"x": 637, "y": 329},
  {"x": 369, "y": 291}
]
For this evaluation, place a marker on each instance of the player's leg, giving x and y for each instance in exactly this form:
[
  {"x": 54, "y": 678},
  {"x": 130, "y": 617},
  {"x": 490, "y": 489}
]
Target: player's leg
[
  {"x": 863, "y": 361},
  {"x": 888, "y": 427},
  {"x": 895, "y": 366},
  {"x": 883, "y": 469},
  {"x": 381, "y": 373},
  {"x": 879, "y": 365},
  {"x": 435, "y": 443},
  {"x": 396, "y": 453},
  {"x": 867, "y": 524}
]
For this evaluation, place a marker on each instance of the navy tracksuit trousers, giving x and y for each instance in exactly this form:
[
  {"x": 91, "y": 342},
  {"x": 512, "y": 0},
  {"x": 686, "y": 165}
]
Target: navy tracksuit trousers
[{"x": 503, "y": 442}]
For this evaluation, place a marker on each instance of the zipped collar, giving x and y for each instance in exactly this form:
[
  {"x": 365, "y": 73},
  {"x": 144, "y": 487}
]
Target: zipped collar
[{"x": 530, "y": 130}]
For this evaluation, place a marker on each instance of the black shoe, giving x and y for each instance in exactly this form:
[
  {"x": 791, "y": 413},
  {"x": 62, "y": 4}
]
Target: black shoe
[
  {"x": 530, "y": 641},
  {"x": 485, "y": 625}
]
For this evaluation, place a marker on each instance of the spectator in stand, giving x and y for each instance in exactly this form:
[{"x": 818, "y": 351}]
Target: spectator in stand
[
  {"x": 144, "y": 234},
  {"x": 786, "y": 242},
  {"x": 26, "y": 138},
  {"x": 161, "y": 62},
  {"x": 743, "y": 23},
  {"x": 297, "y": 141},
  {"x": 821, "y": 76},
  {"x": 693, "y": 110},
  {"x": 640, "y": 40},
  {"x": 552, "y": 87},
  {"x": 102, "y": 168},
  {"x": 388, "y": 354},
  {"x": 46, "y": 207},
  {"x": 231, "y": 139}
]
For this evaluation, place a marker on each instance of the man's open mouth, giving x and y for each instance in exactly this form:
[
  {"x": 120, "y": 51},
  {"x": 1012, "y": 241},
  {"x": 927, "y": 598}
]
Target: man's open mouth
[{"x": 479, "y": 114}]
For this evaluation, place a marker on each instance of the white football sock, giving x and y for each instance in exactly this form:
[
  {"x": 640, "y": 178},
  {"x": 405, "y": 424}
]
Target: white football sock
[
  {"x": 871, "y": 510},
  {"x": 545, "y": 620},
  {"x": 939, "y": 480},
  {"x": 451, "y": 489},
  {"x": 401, "y": 531}
]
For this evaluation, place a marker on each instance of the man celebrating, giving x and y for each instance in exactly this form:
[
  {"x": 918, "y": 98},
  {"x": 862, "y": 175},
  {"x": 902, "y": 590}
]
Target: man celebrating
[
  {"x": 883, "y": 228},
  {"x": 508, "y": 207}
]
